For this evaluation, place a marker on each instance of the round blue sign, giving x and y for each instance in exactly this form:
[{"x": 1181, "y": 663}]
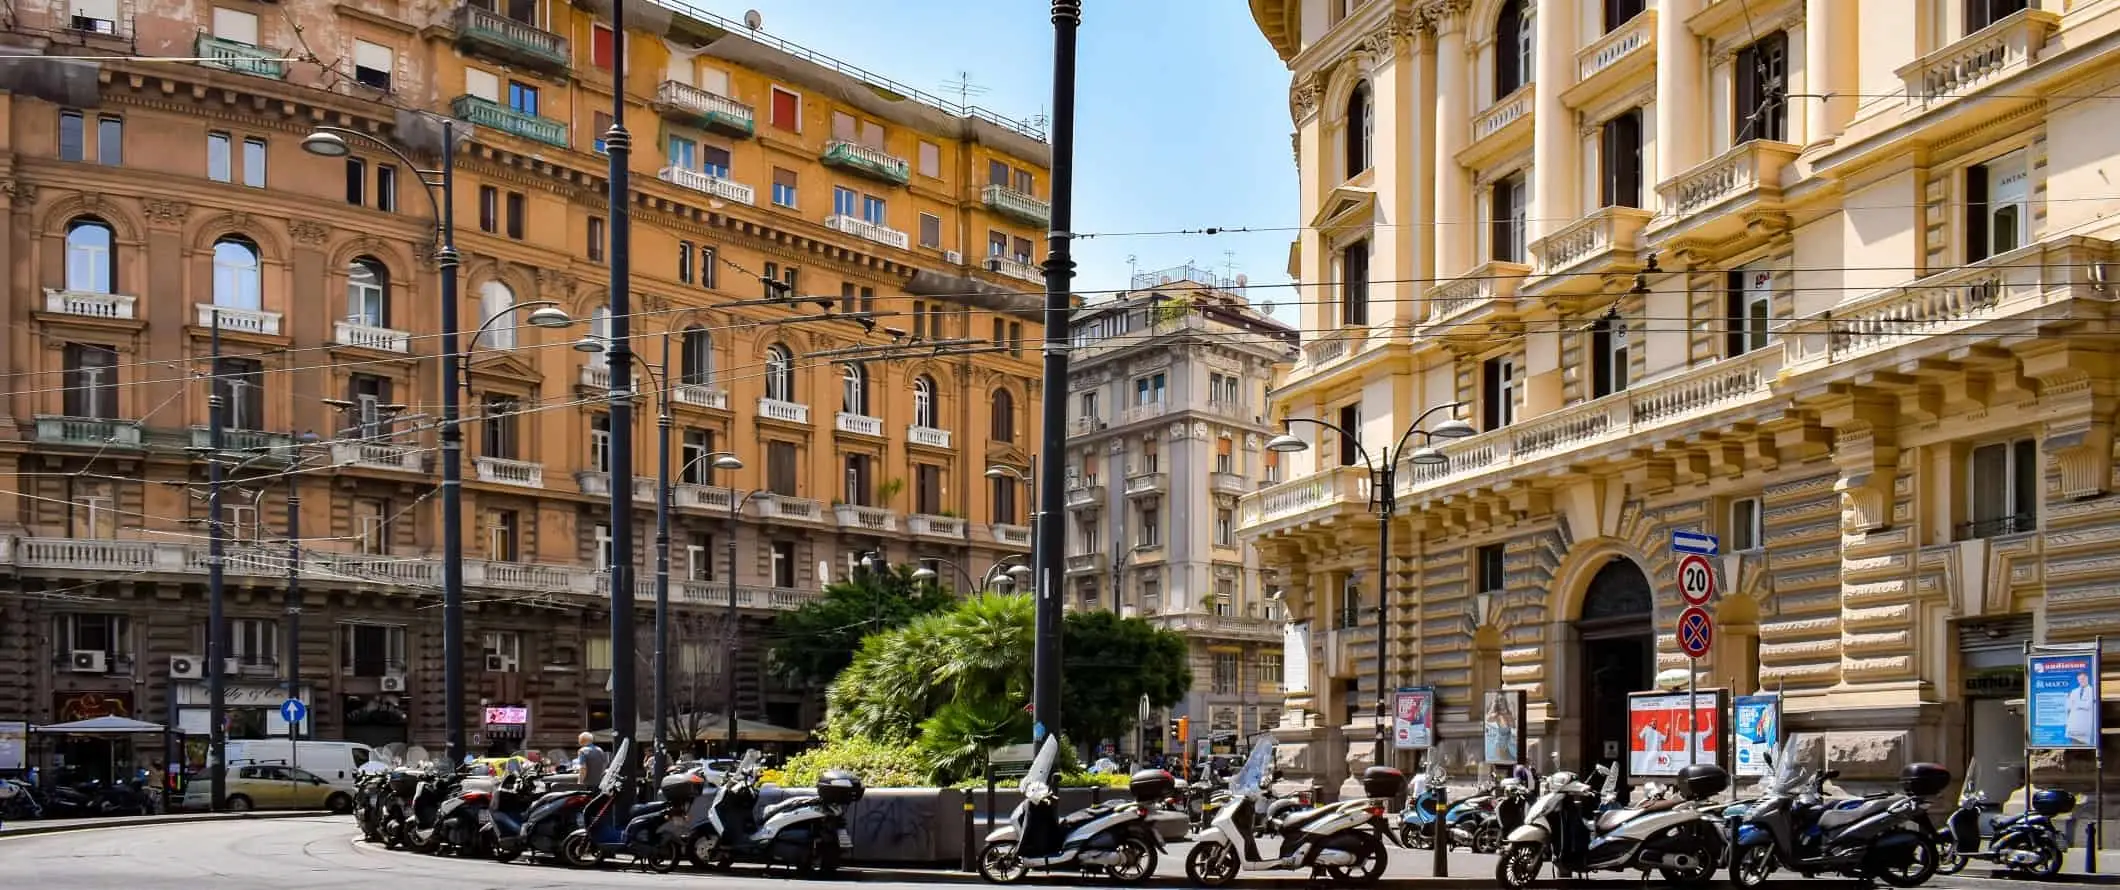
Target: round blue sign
[{"x": 292, "y": 710}]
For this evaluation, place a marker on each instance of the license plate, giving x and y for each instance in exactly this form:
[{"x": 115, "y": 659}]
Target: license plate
[{"x": 846, "y": 839}]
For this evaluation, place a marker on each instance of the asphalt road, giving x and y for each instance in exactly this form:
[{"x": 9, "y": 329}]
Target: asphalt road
[{"x": 322, "y": 853}]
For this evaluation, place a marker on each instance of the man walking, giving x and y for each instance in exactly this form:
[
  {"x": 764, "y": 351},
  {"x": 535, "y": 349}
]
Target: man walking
[{"x": 590, "y": 761}]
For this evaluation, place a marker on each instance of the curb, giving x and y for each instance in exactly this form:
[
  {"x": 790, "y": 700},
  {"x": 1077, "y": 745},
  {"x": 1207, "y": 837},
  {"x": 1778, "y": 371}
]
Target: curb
[
  {"x": 30, "y": 828},
  {"x": 1483, "y": 882}
]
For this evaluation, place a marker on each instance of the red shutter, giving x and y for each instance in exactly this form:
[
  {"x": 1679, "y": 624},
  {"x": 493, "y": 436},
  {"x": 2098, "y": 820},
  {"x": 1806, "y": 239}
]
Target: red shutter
[
  {"x": 600, "y": 44},
  {"x": 786, "y": 113}
]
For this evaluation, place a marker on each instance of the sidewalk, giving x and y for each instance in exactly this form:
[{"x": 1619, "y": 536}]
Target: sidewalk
[{"x": 25, "y": 827}]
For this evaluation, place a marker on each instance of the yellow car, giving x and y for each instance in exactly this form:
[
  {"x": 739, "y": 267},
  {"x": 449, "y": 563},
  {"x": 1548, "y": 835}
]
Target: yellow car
[{"x": 270, "y": 786}]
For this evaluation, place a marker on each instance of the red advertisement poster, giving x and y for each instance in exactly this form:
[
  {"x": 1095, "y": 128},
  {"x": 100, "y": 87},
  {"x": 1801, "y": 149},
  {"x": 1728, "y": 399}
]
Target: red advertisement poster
[{"x": 1660, "y": 730}]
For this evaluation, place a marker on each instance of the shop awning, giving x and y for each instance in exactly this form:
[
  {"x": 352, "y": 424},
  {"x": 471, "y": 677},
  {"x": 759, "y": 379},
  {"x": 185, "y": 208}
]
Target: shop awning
[
  {"x": 101, "y": 726},
  {"x": 714, "y": 727}
]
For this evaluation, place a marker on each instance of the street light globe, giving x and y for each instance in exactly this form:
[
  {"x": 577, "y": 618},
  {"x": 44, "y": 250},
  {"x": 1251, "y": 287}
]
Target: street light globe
[
  {"x": 1021, "y": 574},
  {"x": 1286, "y": 443},
  {"x": 923, "y": 574},
  {"x": 551, "y": 317},
  {"x": 1000, "y": 473},
  {"x": 1427, "y": 456},
  {"x": 326, "y": 145},
  {"x": 589, "y": 343},
  {"x": 728, "y": 462},
  {"x": 1451, "y": 429}
]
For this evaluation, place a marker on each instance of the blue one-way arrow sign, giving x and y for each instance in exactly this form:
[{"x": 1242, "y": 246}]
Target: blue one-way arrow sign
[{"x": 1695, "y": 542}]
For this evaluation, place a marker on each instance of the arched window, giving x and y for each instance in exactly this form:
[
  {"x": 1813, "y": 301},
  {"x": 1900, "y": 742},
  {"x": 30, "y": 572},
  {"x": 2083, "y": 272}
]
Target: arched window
[
  {"x": 600, "y": 330},
  {"x": 698, "y": 358},
  {"x": 924, "y": 402},
  {"x": 91, "y": 263},
  {"x": 367, "y": 293},
  {"x": 1004, "y": 416},
  {"x": 1512, "y": 49},
  {"x": 238, "y": 281},
  {"x": 854, "y": 390},
  {"x": 780, "y": 374},
  {"x": 1361, "y": 127},
  {"x": 495, "y": 299}
]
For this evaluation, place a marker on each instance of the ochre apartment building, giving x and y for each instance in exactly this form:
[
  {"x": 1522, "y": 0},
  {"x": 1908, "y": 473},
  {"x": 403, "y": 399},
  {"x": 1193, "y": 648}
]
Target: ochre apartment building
[
  {"x": 156, "y": 182},
  {"x": 1829, "y": 280}
]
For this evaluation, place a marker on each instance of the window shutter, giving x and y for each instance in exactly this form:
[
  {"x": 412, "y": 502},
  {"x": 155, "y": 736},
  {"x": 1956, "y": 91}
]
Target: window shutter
[
  {"x": 1601, "y": 359},
  {"x": 1976, "y": 213},
  {"x": 482, "y": 84},
  {"x": 1491, "y": 394},
  {"x": 715, "y": 80},
  {"x": 1608, "y": 156},
  {"x": 1734, "y": 312},
  {"x": 1630, "y": 168},
  {"x": 373, "y": 55},
  {"x": 786, "y": 110},
  {"x": 235, "y": 25}
]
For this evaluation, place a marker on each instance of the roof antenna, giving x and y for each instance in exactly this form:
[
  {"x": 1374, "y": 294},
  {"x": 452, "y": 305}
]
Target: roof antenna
[{"x": 964, "y": 88}]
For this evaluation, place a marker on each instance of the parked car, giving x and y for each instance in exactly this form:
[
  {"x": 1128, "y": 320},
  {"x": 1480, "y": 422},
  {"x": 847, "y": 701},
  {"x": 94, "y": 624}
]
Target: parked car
[{"x": 268, "y": 786}]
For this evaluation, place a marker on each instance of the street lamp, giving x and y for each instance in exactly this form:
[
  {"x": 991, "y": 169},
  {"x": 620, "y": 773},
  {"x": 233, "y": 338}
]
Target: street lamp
[
  {"x": 726, "y": 461},
  {"x": 1014, "y": 572},
  {"x": 1383, "y": 481}
]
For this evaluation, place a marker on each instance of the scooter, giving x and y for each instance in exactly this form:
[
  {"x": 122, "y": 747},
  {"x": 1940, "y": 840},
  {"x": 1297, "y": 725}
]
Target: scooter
[
  {"x": 652, "y": 834},
  {"x": 1885, "y": 837},
  {"x": 548, "y": 822},
  {"x": 422, "y": 822},
  {"x": 1284, "y": 807},
  {"x": 1674, "y": 835},
  {"x": 808, "y": 832},
  {"x": 500, "y": 833},
  {"x": 2028, "y": 843},
  {"x": 1112, "y": 838},
  {"x": 1344, "y": 840}
]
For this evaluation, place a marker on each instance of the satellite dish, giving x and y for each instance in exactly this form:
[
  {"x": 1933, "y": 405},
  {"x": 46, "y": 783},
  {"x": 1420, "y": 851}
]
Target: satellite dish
[
  {"x": 752, "y": 20},
  {"x": 1267, "y": 307},
  {"x": 1241, "y": 279}
]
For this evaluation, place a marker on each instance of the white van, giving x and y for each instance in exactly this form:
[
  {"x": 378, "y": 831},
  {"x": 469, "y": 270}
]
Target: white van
[{"x": 337, "y": 763}]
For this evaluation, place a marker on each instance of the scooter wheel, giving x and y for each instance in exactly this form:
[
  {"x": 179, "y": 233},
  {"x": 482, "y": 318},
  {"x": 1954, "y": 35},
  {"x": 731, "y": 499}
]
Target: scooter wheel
[
  {"x": 1488, "y": 839},
  {"x": 393, "y": 834},
  {"x": 1947, "y": 850},
  {"x": 999, "y": 864},
  {"x": 1370, "y": 861},
  {"x": 1519, "y": 865},
  {"x": 662, "y": 858},
  {"x": 1752, "y": 866},
  {"x": 577, "y": 851},
  {"x": 1212, "y": 865}
]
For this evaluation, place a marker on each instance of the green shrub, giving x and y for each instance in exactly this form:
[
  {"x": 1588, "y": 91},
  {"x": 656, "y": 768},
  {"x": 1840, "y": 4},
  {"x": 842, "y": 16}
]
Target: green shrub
[{"x": 880, "y": 764}]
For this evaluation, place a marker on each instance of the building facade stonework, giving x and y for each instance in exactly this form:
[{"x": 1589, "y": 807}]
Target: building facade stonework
[
  {"x": 150, "y": 202},
  {"x": 1796, "y": 274}
]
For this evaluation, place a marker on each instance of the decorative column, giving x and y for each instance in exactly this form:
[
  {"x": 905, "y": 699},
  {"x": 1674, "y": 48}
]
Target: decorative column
[
  {"x": 1681, "y": 95},
  {"x": 1830, "y": 52},
  {"x": 1454, "y": 237},
  {"x": 1556, "y": 181}
]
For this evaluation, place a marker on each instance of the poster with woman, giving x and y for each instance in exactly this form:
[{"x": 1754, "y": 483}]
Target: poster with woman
[
  {"x": 1503, "y": 721},
  {"x": 1758, "y": 725}
]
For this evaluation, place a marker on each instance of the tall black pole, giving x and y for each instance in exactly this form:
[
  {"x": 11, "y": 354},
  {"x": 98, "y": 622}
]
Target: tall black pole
[
  {"x": 662, "y": 560},
  {"x": 728, "y": 630},
  {"x": 294, "y": 592},
  {"x": 625, "y": 713},
  {"x": 1059, "y": 275},
  {"x": 452, "y": 465},
  {"x": 216, "y": 624},
  {"x": 1384, "y": 480}
]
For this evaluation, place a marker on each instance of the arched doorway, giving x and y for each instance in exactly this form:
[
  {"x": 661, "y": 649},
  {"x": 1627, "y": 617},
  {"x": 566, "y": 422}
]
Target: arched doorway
[{"x": 1618, "y": 631}]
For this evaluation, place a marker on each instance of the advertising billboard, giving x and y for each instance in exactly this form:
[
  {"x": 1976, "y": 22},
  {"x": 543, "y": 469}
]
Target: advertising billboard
[
  {"x": 2062, "y": 700},
  {"x": 1662, "y": 729},
  {"x": 1502, "y": 722},
  {"x": 1413, "y": 718},
  {"x": 1756, "y": 720}
]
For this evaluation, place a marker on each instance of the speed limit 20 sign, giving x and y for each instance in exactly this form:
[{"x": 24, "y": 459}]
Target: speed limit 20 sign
[{"x": 1696, "y": 580}]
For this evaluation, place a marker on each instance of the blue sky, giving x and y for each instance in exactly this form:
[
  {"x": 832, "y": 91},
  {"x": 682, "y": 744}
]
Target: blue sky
[{"x": 1182, "y": 113}]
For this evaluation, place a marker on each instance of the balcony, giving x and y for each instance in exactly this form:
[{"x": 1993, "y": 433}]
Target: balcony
[
  {"x": 785, "y": 412},
  {"x": 1082, "y": 426},
  {"x": 691, "y": 105},
  {"x": 1472, "y": 304},
  {"x": 241, "y": 58},
  {"x": 1147, "y": 483},
  {"x": 1501, "y": 128},
  {"x": 1225, "y": 626},
  {"x": 1014, "y": 268},
  {"x": 1334, "y": 346},
  {"x": 1229, "y": 483},
  {"x": 874, "y": 163},
  {"x": 88, "y": 304},
  {"x": 1085, "y": 495},
  {"x": 503, "y": 471},
  {"x": 929, "y": 525},
  {"x": 240, "y": 321},
  {"x": 596, "y": 376},
  {"x": 509, "y": 40},
  {"x": 1139, "y": 413},
  {"x": 1621, "y": 58},
  {"x": 874, "y": 520},
  {"x": 927, "y": 436},
  {"x": 1084, "y": 563},
  {"x": 367, "y": 336},
  {"x": 1018, "y": 205},
  {"x": 1302, "y": 501},
  {"x": 861, "y": 228},
  {"x": 1571, "y": 260},
  {"x": 700, "y": 395},
  {"x": 88, "y": 432},
  {"x": 788, "y": 508},
  {"x": 594, "y": 483},
  {"x": 716, "y": 186},
  {"x": 488, "y": 113},
  {"x": 376, "y": 456},
  {"x": 271, "y": 446},
  {"x": 1714, "y": 201},
  {"x": 1962, "y": 70},
  {"x": 858, "y": 424},
  {"x": 701, "y": 497},
  {"x": 1013, "y": 536}
]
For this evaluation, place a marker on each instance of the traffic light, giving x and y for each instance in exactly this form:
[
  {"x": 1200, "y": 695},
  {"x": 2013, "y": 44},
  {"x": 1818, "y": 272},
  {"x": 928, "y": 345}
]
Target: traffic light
[
  {"x": 1174, "y": 730},
  {"x": 1184, "y": 729}
]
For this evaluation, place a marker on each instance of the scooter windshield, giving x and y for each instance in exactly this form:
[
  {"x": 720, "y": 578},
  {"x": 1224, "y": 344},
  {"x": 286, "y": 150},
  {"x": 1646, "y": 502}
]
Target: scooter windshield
[
  {"x": 1253, "y": 776},
  {"x": 1041, "y": 771},
  {"x": 611, "y": 776},
  {"x": 1788, "y": 774}
]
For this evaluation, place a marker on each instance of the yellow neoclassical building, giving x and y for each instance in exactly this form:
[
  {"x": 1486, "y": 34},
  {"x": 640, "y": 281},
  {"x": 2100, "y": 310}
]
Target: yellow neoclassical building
[
  {"x": 1832, "y": 281},
  {"x": 154, "y": 179}
]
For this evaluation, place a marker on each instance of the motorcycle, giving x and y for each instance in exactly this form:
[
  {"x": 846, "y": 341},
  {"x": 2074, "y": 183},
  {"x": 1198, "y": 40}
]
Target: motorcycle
[
  {"x": 422, "y": 821},
  {"x": 807, "y": 831},
  {"x": 1344, "y": 840},
  {"x": 653, "y": 836},
  {"x": 1675, "y": 835},
  {"x": 371, "y": 793},
  {"x": 1883, "y": 836},
  {"x": 1114, "y": 838},
  {"x": 2028, "y": 843}
]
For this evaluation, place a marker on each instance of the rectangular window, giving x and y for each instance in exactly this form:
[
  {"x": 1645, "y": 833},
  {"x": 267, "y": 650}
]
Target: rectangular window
[
  {"x": 220, "y": 163},
  {"x": 1489, "y": 566},
  {"x": 94, "y": 16},
  {"x": 371, "y": 526},
  {"x": 684, "y": 262},
  {"x": 843, "y": 200},
  {"x": 522, "y": 97},
  {"x": 714, "y": 161},
  {"x": 73, "y": 137},
  {"x": 371, "y": 650},
  {"x": 699, "y": 558},
  {"x": 1225, "y": 666},
  {"x": 930, "y": 156},
  {"x": 694, "y": 466},
  {"x": 930, "y": 230},
  {"x": 489, "y": 209},
  {"x": 781, "y": 463},
  {"x": 1620, "y": 12},
  {"x": 503, "y": 651},
  {"x": 515, "y": 215},
  {"x": 1150, "y": 390},
  {"x": 1354, "y": 284},
  {"x": 2005, "y": 490},
  {"x": 1498, "y": 393},
  {"x": 254, "y": 641},
  {"x": 927, "y": 489},
  {"x": 235, "y": 25},
  {"x": 601, "y": 534},
  {"x": 1026, "y": 183},
  {"x": 1507, "y": 202},
  {"x": 91, "y": 381},
  {"x": 372, "y": 64},
  {"x": 1998, "y": 193},
  {"x": 110, "y": 141},
  {"x": 785, "y": 112},
  {"x": 996, "y": 243},
  {"x": 1513, "y": 65},
  {"x": 783, "y": 564},
  {"x": 1270, "y": 668},
  {"x": 602, "y": 46},
  {"x": 1003, "y": 492},
  {"x": 844, "y": 127},
  {"x": 1761, "y": 81},
  {"x": 1351, "y": 426},
  {"x": 386, "y": 187},
  {"x": 498, "y": 425},
  {"x": 1225, "y": 528},
  {"x": 707, "y": 257},
  {"x": 783, "y": 187},
  {"x": 1620, "y": 155},
  {"x": 599, "y": 124},
  {"x": 254, "y": 162},
  {"x": 872, "y": 209},
  {"x": 1608, "y": 356},
  {"x": 1749, "y": 291},
  {"x": 356, "y": 182},
  {"x": 860, "y": 480},
  {"x": 683, "y": 153},
  {"x": 1982, "y": 13},
  {"x": 1023, "y": 250},
  {"x": 482, "y": 84},
  {"x": 504, "y": 537},
  {"x": 596, "y": 239},
  {"x": 1225, "y": 456},
  {"x": 771, "y": 280},
  {"x": 1150, "y": 525},
  {"x": 1747, "y": 530},
  {"x": 241, "y": 385},
  {"x": 997, "y": 173},
  {"x": 600, "y": 443}
]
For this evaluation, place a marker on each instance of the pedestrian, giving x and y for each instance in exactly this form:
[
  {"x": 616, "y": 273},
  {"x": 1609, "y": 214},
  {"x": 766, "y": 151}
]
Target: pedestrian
[{"x": 591, "y": 761}]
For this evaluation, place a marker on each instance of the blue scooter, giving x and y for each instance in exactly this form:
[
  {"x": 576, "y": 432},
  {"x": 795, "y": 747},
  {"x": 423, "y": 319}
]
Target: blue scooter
[{"x": 653, "y": 834}]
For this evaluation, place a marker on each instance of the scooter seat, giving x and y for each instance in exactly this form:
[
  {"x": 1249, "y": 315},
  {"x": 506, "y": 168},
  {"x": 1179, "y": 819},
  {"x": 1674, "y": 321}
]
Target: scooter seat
[
  {"x": 1294, "y": 822},
  {"x": 1833, "y": 820},
  {"x": 1611, "y": 820},
  {"x": 1079, "y": 817}
]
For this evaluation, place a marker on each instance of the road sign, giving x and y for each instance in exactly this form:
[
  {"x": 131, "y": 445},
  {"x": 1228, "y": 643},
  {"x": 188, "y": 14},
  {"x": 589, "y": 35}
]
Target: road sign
[
  {"x": 1695, "y": 542},
  {"x": 1696, "y": 631},
  {"x": 292, "y": 710},
  {"x": 1696, "y": 580}
]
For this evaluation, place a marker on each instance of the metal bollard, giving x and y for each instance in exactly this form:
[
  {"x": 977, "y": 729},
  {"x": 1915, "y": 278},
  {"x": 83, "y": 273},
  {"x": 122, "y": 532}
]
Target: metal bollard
[
  {"x": 1442, "y": 831},
  {"x": 971, "y": 837}
]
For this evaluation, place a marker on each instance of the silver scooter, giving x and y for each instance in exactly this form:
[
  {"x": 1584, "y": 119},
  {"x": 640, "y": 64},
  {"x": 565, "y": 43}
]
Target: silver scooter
[
  {"x": 1114, "y": 838},
  {"x": 1343, "y": 840}
]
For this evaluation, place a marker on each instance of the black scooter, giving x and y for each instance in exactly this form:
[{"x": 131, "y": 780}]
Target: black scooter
[
  {"x": 2028, "y": 843},
  {"x": 1884, "y": 837}
]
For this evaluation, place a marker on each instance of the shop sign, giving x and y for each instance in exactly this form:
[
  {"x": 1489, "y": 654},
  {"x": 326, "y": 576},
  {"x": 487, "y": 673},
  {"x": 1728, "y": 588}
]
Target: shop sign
[{"x": 68, "y": 707}]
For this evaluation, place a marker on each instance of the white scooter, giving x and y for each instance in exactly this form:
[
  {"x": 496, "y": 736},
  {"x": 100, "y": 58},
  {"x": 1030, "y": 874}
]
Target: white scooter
[
  {"x": 1115, "y": 838},
  {"x": 1344, "y": 840}
]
